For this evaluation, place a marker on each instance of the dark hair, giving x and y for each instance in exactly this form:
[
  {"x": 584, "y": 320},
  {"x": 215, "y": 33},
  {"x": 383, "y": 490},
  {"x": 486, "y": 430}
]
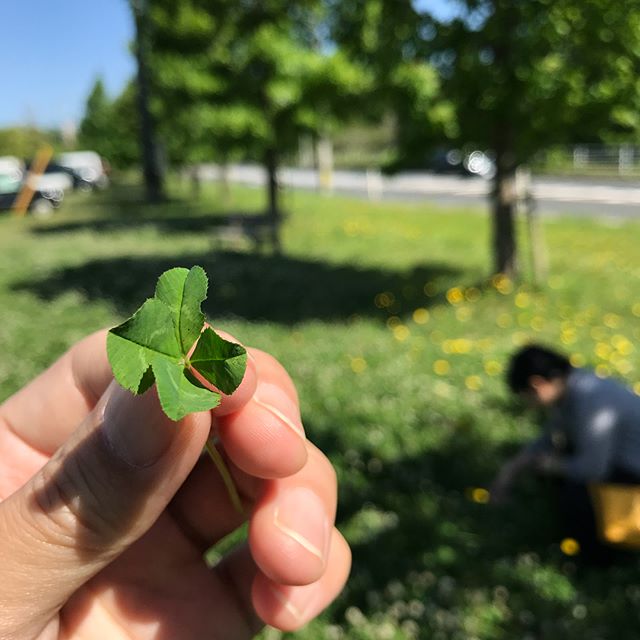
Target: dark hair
[{"x": 534, "y": 360}]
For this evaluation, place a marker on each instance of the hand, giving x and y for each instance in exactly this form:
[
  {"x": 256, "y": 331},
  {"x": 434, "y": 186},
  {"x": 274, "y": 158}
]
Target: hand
[{"x": 108, "y": 507}]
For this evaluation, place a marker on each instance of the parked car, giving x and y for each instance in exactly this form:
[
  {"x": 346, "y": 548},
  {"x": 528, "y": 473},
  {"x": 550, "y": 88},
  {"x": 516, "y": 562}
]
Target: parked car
[
  {"x": 54, "y": 178},
  {"x": 474, "y": 163},
  {"x": 11, "y": 166},
  {"x": 44, "y": 202},
  {"x": 88, "y": 165}
]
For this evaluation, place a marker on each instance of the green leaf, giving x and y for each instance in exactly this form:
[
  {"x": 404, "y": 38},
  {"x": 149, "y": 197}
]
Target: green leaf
[
  {"x": 221, "y": 362},
  {"x": 131, "y": 344},
  {"x": 183, "y": 291},
  {"x": 178, "y": 396},
  {"x": 153, "y": 346}
]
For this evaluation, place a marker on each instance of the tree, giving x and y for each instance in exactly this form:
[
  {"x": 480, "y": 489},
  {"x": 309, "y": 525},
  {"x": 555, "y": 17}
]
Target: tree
[
  {"x": 94, "y": 129},
  {"x": 246, "y": 78},
  {"x": 390, "y": 38},
  {"x": 525, "y": 75},
  {"x": 111, "y": 127},
  {"x": 151, "y": 165}
]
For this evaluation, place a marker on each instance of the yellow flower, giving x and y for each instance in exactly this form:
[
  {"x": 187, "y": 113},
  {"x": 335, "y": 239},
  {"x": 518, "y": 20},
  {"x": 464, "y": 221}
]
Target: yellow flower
[
  {"x": 400, "y": 332},
  {"x": 502, "y": 284},
  {"x": 462, "y": 345},
  {"x": 611, "y": 320},
  {"x": 570, "y": 547},
  {"x": 384, "y": 299},
  {"x": 522, "y": 300},
  {"x": 493, "y": 367},
  {"x": 602, "y": 350},
  {"x": 358, "y": 364},
  {"x": 473, "y": 383},
  {"x": 602, "y": 370},
  {"x": 455, "y": 295},
  {"x": 577, "y": 360},
  {"x": 472, "y": 294},
  {"x": 430, "y": 289},
  {"x": 479, "y": 495},
  {"x": 393, "y": 322},
  {"x": 537, "y": 323},
  {"x": 421, "y": 316},
  {"x": 463, "y": 313},
  {"x": 441, "y": 367}
]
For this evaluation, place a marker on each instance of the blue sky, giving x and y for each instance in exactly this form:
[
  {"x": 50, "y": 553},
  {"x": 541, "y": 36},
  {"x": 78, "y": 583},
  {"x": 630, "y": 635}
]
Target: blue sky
[{"x": 52, "y": 51}]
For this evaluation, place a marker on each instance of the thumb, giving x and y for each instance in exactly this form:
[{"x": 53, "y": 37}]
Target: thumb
[{"x": 99, "y": 493}]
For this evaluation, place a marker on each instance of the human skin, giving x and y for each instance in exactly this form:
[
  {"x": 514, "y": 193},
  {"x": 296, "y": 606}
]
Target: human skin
[{"x": 107, "y": 508}]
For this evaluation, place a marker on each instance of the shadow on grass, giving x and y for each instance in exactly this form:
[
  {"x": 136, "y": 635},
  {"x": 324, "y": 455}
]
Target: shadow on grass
[{"x": 252, "y": 286}]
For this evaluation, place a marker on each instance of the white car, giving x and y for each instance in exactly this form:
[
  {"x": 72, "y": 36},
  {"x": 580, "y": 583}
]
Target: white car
[{"x": 88, "y": 165}]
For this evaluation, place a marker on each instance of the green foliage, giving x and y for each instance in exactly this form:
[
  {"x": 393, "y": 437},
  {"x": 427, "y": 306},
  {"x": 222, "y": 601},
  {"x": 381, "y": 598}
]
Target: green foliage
[
  {"x": 522, "y": 76},
  {"x": 256, "y": 81},
  {"x": 24, "y": 142},
  {"x": 110, "y": 127},
  {"x": 397, "y": 345},
  {"x": 155, "y": 343}
]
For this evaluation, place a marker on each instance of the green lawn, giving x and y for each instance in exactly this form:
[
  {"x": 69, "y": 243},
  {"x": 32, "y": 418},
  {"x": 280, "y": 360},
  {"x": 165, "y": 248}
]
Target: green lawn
[{"x": 385, "y": 318}]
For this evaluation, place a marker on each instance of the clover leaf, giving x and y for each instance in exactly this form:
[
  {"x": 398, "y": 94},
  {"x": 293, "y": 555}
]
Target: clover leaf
[{"x": 156, "y": 344}]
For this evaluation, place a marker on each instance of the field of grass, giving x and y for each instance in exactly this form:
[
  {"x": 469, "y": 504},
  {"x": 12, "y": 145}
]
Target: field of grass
[{"x": 385, "y": 317}]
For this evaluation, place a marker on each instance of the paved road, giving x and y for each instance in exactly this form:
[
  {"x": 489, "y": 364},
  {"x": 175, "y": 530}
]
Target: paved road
[{"x": 553, "y": 196}]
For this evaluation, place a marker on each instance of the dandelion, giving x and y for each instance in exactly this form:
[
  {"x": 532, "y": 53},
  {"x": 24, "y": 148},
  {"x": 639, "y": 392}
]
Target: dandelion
[
  {"x": 472, "y": 294},
  {"x": 455, "y": 295},
  {"x": 493, "y": 368},
  {"x": 461, "y": 345},
  {"x": 384, "y": 300},
  {"x": 477, "y": 494},
  {"x": 358, "y": 364},
  {"x": 522, "y": 300},
  {"x": 577, "y": 360},
  {"x": 393, "y": 322},
  {"x": 441, "y": 367},
  {"x": 430, "y": 289},
  {"x": 421, "y": 316},
  {"x": 473, "y": 383},
  {"x": 537, "y": 323},
  {"x": 502, "y": 284},
  {"x": 611, "y": 320},
  {"x": 401, "y": 332},
  {"x": 570, "y": 547}
]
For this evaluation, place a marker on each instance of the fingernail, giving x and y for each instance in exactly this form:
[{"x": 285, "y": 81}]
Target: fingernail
[
  {"x": 300, "y": 514},
  {"x": 135, "y": 427},
  {"x": 296, "y": 600}
]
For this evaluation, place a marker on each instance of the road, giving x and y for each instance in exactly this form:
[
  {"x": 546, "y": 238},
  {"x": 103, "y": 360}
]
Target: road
[{"x": 605, "y": 198}]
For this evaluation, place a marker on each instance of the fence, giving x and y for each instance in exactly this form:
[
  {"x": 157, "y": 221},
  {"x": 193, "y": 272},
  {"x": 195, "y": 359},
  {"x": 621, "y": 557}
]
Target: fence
[{"x": 589, "y": 160}]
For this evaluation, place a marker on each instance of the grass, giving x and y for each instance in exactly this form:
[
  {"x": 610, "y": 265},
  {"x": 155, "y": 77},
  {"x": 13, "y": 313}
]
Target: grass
[{"x": 385, "y": 317}]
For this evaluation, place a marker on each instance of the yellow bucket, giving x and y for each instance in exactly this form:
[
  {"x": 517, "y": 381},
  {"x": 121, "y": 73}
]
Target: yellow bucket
[{"x": 617, "y": 510}]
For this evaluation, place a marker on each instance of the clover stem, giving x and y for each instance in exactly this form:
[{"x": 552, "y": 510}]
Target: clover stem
[{"x": 214, "y": 454}]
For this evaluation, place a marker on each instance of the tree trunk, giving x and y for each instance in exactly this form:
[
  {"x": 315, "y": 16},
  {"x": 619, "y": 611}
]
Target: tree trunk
[
  {"x": 273, "y": 207},
  {"x": 504, "y": 206},
  {"x": 148, "y": 144}
]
